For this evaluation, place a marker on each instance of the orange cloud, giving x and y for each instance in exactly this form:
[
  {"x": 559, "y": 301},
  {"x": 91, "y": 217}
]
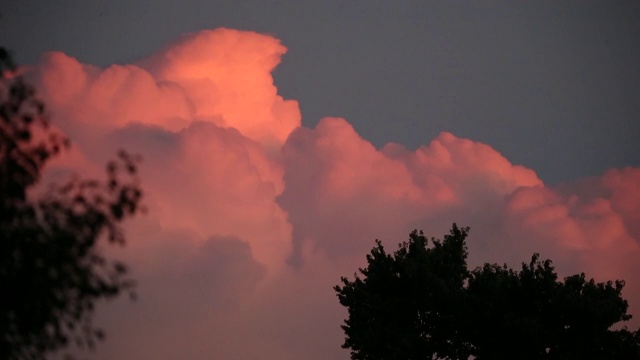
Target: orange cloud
[{"x": 227, "y": 76}]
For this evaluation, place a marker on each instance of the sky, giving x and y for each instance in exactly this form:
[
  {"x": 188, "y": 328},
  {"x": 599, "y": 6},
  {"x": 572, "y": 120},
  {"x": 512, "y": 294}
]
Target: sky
[{"x": 281, "y": 138}]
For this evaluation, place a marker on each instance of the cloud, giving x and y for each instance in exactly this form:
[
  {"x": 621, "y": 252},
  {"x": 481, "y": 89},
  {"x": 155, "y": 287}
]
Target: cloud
[
  {"x": 187, "y": 285},
  {"x": 227, "y": 77},
  {"x": 214, "y": 181},
  {"x": 252, "y": 218},
  {"x": 340, "y": 190}
]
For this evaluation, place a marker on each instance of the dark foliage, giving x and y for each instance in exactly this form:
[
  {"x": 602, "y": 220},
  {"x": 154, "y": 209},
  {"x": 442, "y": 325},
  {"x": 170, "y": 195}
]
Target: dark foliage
[
  {"x": 421, "y": 302},
  {"x": 51, "y": 270}
]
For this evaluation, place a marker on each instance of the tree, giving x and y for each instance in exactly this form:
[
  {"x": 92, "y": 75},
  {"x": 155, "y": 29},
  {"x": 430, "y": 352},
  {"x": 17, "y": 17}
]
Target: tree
[
  {"x": 421, "y": 302},
  {"x": 51, "y": 269}
]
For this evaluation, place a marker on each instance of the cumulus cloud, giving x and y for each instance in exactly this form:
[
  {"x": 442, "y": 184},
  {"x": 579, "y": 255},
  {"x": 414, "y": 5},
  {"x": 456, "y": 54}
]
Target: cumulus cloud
[
  {"x": 226, "y": 75},
  {"x": 252, "y": 218}
]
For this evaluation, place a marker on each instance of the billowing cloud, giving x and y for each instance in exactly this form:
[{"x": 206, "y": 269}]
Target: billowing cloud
[
  {"x": 252, "y": 218},
  {"x": 226, "y": 75}
]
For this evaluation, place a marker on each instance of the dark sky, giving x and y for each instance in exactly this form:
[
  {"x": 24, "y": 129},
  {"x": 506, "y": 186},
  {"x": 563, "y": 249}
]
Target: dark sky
[{"x": 554, "y": 86}]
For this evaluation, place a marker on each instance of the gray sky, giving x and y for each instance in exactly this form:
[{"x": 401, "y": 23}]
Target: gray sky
[{"x": 554, "y": 86}]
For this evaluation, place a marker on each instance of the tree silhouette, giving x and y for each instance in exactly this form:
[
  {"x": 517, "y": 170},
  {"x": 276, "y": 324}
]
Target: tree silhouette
[
  {"x": 421, "y": 302},
  {"x": 51, "y": 269}
]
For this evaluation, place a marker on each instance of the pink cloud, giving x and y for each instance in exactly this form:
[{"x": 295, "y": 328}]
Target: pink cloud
[
  {"x": 624, "y": 186},
  {"x": 227, "y": 76},
  {"x": 252, "y": 218}
]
